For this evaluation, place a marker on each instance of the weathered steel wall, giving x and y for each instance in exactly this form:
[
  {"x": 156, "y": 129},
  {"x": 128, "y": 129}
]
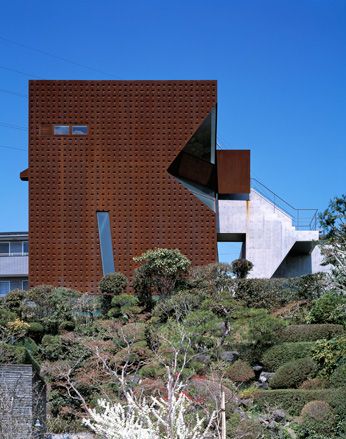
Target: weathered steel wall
[{"x": 136, "y": 129}]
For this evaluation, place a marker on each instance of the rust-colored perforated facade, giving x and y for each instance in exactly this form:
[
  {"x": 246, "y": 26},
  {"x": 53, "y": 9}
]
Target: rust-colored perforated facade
[{"x": 136, "y": 130}]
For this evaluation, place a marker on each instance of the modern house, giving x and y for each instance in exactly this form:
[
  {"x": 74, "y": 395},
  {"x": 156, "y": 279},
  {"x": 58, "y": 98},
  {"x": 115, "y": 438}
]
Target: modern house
[
  {"x": 119, "y": 167},
  {"x": 13, "y": 261}
]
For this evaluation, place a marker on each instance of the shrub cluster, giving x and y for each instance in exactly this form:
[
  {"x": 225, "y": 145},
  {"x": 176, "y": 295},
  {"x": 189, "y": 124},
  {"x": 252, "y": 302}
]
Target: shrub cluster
[
  {"x": 293, "y": 400},
  {"x": 330, "y": 308},
  {"x": 294, "y": 333},
  {"x": 280, "y": 354},
  {"x": 290, "y": 375}
]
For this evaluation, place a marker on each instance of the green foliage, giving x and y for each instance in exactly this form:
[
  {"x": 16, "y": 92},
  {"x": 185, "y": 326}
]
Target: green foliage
[
  {"x": 13, "y": 354},
  {"x": 338, "y": 377},
  {"x": 241, "y": 268},
  {"x": 292, "y": 374},
  {"x": 275, "y": 292},
  {"x": 111, "y": 285},
  {"x": 317, "y": 418},
  {"x": 178, "y": 305},
  {"x": 240, "y": 372},
  {"x": 160, "y": 271},
  {"x": 6, "y": 316},
  {"x": 282, "y": 353},
  {"x": 330, "y": 308},
  {"x": 125, "y": 306},
  {"x": 53, "y": 348},
  {"x": 264, "y": 329},
  {"x": 14, "y": 301},
  {"x": 131, "y": 333},
  {"x": 29, "y": 344},
  {"x": 212, "y": 278},
  {"x": 330, "y": 354},
  {"x": 293, "y": 400},
  {"x": 294, "y": 333},
  {"x": 50, "y": 306}
]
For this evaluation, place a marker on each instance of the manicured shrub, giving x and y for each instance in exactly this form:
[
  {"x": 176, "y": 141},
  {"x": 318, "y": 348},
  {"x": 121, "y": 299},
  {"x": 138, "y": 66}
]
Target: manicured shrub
[
  {"x": 240, "y": 372},
  {"x": 294, "y": 333},
  {"x": 314, "y": 383},
  {"x": 280, "y": 354},
  {"x": 330, "y": 354},
  {"x": 338, "y": 377},
  {"x": 161, "y": 270},
  {"x": 241, "y": 268},
  {"x": 293, "y": 400},
  {"x": 292, "y": 374},
  {"x": 330, "y": 308},
  {"x": 111, "y": 285},
  {"x": 317, "y": 417}
]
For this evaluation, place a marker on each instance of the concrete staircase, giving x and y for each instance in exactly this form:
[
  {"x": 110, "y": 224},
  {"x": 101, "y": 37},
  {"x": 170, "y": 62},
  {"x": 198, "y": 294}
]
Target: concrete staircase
[{"x": 266, "y": 230}]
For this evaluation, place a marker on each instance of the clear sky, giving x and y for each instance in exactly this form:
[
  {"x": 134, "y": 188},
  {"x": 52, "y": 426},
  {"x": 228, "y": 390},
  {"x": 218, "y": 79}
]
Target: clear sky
[{"x": 280, "y": 66}]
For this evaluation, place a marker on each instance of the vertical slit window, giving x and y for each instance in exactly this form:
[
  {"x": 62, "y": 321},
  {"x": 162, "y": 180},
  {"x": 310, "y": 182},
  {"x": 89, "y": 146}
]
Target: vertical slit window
[{"x": 107, "y": 257}]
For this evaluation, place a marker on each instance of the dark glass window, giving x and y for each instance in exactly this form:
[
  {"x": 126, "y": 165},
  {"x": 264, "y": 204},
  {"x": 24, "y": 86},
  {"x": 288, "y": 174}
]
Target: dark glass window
[
  {"x": 61, "y": 130},
  {"x": 4, "y": 248},
  {"x": 25, "y": 247},
  {"x": 16, "y": 248},
  {"x": 80, "y": 130},
  {"x": 105, "y": 242},
  {"x": 25, "y": 285},
  {"x": 4, "y": 287}
]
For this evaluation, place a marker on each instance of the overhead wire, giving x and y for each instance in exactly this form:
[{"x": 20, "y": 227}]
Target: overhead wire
[{"x": 43, "y": 52}]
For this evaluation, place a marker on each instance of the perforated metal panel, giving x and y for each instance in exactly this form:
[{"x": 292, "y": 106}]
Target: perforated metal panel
[{"x": 136, "y": 129}]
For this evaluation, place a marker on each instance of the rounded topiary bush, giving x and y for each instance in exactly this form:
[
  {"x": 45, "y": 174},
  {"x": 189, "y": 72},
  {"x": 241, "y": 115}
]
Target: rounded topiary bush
[
  {"x": 293, "y": 373},
  {"x": 280, "y": 354},
  {"x": 338, "y": 377},
  {"x": 330, "y": 308},
  {"x": 240, "y": 372},
  {"x": 314, "y": 383},
  {"x": 114, "y": 284},
  {"x": 294, "y": 333},
  {"x": 318, "y": 417}
]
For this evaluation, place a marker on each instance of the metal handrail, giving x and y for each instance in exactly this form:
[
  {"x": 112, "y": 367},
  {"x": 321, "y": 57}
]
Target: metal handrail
[{"x": 302, "y": 218}]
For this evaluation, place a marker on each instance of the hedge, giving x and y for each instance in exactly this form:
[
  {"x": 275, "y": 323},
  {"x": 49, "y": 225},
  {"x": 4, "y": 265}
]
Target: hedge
[
  {"x": 294, "y": 333},
  {"x": 293, "y": 400},
  {"x": 293, "y": 374},
  {"x": 280, "y": 354}
]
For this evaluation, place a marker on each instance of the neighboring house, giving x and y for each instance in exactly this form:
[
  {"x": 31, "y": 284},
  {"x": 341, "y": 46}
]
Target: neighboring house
[
  {"x": 14, "y": 252},
  {"x": 120, "y": 167}
]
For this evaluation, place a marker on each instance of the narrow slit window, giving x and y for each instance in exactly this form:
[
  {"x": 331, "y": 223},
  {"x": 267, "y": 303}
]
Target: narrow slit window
[
  {"x": 107, "y": 257},
  {"x": 61, "y": 130},
  {"x": 79, "y": 130}
]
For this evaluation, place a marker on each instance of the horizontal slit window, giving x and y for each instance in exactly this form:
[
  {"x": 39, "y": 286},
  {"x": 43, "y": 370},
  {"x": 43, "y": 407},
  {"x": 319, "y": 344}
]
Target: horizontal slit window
[
  {"x": 79, "y": 130},
  {"x": 61, "y": 130}
]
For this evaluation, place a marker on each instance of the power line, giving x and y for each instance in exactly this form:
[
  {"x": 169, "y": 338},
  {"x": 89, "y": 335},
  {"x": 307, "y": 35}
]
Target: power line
[
  {"x": 2, "y": 90},
  {"x": 13, "y": 147},
  {"x": 13, "y": 126},
  {"x": 20, "y": 72},
  {"x": 43, "y": 52}
]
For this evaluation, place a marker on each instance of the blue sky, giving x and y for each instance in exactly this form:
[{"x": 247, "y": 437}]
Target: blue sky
[{"x": 280, "y": 66}]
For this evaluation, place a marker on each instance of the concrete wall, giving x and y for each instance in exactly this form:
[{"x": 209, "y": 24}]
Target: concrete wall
[
  {"x": 15, "y": 401},
  {"x": 269, "y": 235}
]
